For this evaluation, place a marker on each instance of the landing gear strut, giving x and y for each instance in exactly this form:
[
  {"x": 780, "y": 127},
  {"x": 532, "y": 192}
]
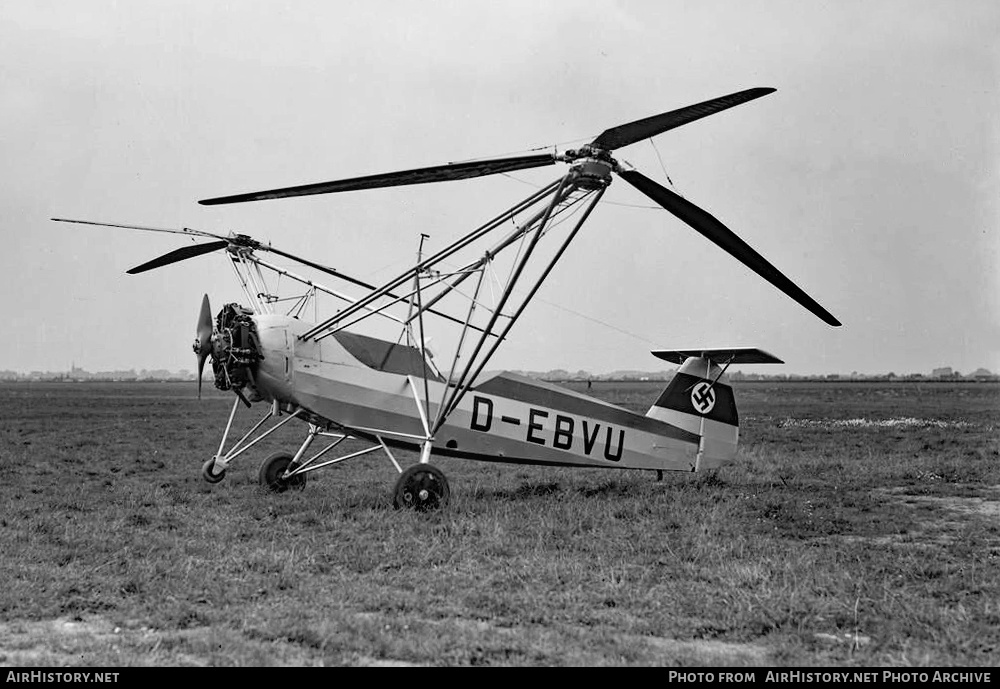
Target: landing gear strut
[{"x": 421, "y": 487}]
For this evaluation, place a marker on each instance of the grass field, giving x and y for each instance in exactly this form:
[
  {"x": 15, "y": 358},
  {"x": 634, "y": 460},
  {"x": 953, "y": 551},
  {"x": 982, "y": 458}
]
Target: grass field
[{"x": 860, "y": 527}]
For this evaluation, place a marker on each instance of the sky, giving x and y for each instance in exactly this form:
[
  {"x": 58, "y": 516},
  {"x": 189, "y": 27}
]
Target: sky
[{"x": 870, "y": 177}]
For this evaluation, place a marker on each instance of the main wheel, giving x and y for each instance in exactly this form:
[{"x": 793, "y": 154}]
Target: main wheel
[
  {"x": 209, "y": 475},
  {"x": 271, "y": 470},
  {"x": 421, "y": 487}
]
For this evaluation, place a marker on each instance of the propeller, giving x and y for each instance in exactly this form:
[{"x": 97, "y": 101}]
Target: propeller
[
  {"x": 709, "y": 226},
  {"x": 203, "y": 343}
]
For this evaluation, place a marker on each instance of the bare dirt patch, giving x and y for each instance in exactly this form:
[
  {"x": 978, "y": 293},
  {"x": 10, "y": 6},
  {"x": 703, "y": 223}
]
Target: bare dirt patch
[
  {"x": 58, "y": 642},
  {"x": 944, "y": 521},
  {"x": 697, "y": 651},
  {"x": 709, "y": 652},
  {"x": 95, "y": 641}
]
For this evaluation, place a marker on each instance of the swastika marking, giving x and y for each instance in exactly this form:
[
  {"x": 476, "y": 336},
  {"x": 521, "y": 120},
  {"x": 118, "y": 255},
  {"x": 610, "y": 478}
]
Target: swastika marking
[{"x": 703, "y": 397}]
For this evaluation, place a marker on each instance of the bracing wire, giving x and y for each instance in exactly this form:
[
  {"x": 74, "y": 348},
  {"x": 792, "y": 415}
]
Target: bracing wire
[
  {"x": 664, "y": 168},
  {"x": 597, "y": 321},
  {"x": 555, "y": 146}
]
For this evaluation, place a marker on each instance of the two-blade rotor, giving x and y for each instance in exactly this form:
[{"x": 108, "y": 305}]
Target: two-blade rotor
[
  {"x": 235, "y": 243},
  {"x": 600, "y": 148}
]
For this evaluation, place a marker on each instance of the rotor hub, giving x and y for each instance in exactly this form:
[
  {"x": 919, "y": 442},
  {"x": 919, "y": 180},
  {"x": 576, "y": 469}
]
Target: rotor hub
[{"x": 592, "y": 167}]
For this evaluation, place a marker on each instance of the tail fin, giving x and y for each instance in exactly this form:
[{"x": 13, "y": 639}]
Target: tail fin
[{"x": 700, "y": 398}]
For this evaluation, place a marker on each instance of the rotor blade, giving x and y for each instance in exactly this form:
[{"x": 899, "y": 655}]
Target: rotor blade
[
  {"x": 424, "y": 175},
  {"x": 186, "y": 230},
  {"x": 626, "y": 134},
  {"x": 718, "y": 233},
  {"x": 179, "y": 255}
]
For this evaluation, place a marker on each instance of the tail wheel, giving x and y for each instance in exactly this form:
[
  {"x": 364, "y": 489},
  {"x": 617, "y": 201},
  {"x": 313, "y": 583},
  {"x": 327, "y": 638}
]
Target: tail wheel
[
  {"x": 422, "y": 487},
  {"x": 271, "y": 471},
  {"x": 209, "y": 474}
]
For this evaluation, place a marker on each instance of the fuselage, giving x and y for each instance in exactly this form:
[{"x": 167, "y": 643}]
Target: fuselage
[{"x": 375, "y": 388}]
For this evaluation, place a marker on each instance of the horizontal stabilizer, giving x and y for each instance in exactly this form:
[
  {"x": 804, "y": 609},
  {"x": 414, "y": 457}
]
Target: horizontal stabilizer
[{"x": 725, "y": 355}]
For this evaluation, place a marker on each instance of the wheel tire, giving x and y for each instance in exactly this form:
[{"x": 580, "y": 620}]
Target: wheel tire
[
  {"x": 271, "y": 470},
  {"x": 209, "y": 475},
  {"x": 421, "y": 487}
]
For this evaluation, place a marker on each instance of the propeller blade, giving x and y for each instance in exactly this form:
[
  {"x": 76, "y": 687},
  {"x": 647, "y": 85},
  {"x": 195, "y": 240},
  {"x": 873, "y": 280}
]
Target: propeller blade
[
  {"x": 424, "y": 175},
  {"x": 201, "y": 368},
  {"x": 204, "y": 341},
  {"x": 205, "y": 325},
  {"x": 179, "y": 255},
  {"x": 710, "y": 227},
  {"x": 626, "y": 134}
]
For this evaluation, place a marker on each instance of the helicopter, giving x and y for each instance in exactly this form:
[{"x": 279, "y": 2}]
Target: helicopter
[{"x": 388, "y": 394}]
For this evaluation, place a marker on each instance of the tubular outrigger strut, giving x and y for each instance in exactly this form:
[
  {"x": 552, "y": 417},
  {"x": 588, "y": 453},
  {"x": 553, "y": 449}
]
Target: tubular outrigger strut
[
  {"x": 214, "y": 469},
  {"x": 299, "y": 467}
]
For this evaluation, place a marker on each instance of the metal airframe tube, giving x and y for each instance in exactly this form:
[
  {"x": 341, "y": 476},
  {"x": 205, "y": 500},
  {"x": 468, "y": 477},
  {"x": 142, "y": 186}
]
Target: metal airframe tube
[
  {"x": 425, "y": 410},
  {"x": 267, "y": 415},
  {"x": 379, "y": 310},
  {"x": 229, "y": 424},
  {"x": 513, "y": 319},
  {"x": 313, "y": 430},
  {"x": 518, "y": 233},
  {"x": 420, "y": 407},
  {"x": 232, "y": 454},
  {"x": 240, "y": 278},
  {"x": 389, "y": 454},
  {"x": 316, "y": 286},
  {"x": 309, "y": 466},
  {"x": 458, "y": 350},
  {"x": 447, "y": 251},
  {"x": 331, "y": 271},
  {"x": 557, "y": 198}
]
